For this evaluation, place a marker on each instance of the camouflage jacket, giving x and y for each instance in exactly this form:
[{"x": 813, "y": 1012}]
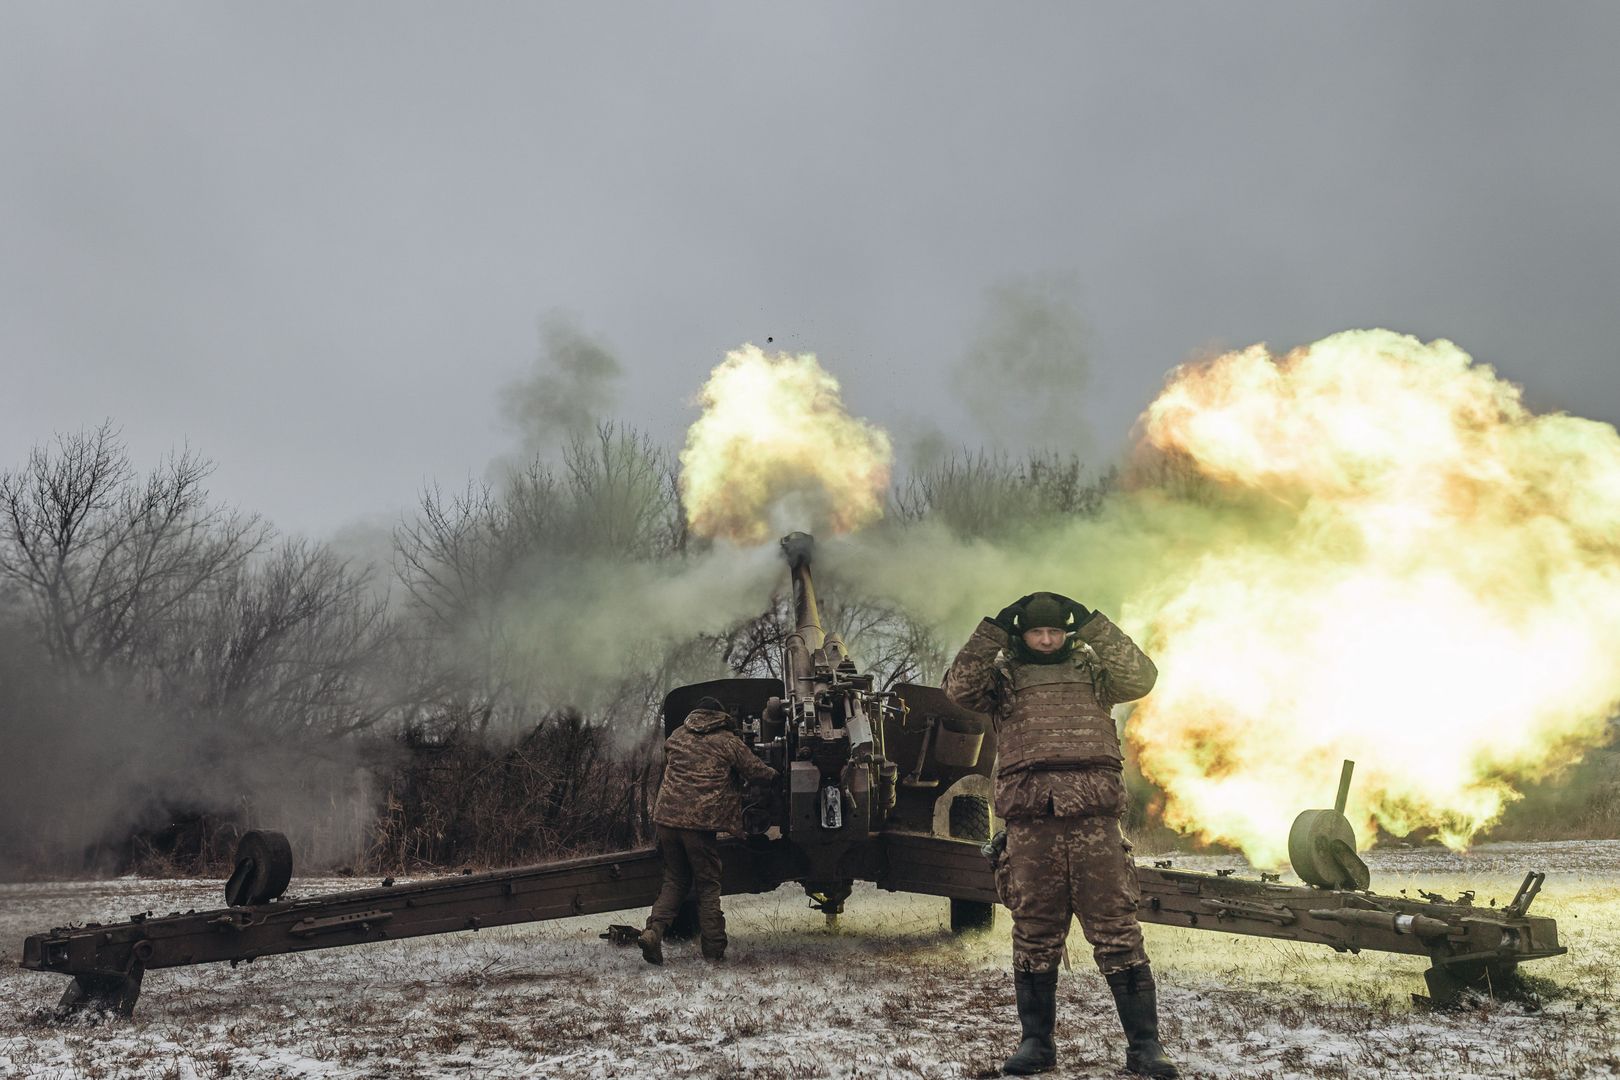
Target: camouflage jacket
[
  {"x": 704, "y": 765},
  {"x": 1113, "y": 670}
]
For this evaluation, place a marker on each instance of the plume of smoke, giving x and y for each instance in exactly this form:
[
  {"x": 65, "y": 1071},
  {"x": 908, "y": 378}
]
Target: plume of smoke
[
  {"x": 575, "y": 587},
  {"x": 601, "y": 584},
  {"x": 92, "y": 762},
  {"x": 1025, "y": 375},
  {"x": 159, "y": 661},
  {"x": 584, "y": 632},
  {"x": 573, "y": 388},
  {"x": 366, "y": 543}
]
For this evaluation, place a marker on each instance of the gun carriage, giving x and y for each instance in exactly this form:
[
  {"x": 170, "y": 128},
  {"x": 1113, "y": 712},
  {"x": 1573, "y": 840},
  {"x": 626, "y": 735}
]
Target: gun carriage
[{"x": 886, "y": 786}]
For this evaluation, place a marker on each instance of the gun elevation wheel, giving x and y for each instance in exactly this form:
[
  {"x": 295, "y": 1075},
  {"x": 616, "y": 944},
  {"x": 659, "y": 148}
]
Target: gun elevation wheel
[{"x": 263, "y": 869}]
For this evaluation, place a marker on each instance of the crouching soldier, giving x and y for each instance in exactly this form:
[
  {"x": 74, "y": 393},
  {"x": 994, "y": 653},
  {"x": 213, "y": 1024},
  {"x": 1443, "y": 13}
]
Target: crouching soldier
[
  {"x": 1048, "y": 671},
  {"x": 705, "y": 764}
]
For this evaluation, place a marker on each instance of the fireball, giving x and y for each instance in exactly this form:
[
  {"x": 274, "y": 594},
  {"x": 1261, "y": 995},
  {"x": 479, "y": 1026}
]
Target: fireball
[
  {"x": 776, "y": 450},
  {"x": 1428, "y": 582}
]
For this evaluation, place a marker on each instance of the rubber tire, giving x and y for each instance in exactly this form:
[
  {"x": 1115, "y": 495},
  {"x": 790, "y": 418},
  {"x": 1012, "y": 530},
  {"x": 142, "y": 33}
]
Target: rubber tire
[
  {"x": 970, "y": 820},
  {"x": 263, "y": 869}
]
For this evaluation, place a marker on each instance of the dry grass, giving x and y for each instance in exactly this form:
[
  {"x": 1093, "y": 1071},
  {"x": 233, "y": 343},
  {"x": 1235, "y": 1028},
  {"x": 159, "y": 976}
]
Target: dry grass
[{"x": 888, "y": 993}]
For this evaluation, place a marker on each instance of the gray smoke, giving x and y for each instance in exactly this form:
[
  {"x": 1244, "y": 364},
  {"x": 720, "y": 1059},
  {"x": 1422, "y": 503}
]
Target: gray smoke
[
  {"x": 367, "y": 545},
  {"x": 610, "y": 637},
  {"x": 573, "y": 387},
  {"x": 167, "y": 672},
  {"x": 1025, "y": 375},
  {"x": 92, "y": 763},
  {"x": 573, "y": 586}
]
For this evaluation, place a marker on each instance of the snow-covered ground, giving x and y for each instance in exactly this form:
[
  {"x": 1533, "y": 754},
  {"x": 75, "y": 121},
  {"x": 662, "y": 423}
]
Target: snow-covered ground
[{"x": 887, "y": 993}]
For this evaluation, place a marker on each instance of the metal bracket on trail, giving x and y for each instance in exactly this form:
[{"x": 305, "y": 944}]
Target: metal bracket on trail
[
  {"x": 838, "y": 813},
  {"x": 1529, "y": 889},
  {"x": 621, "y": 934}
]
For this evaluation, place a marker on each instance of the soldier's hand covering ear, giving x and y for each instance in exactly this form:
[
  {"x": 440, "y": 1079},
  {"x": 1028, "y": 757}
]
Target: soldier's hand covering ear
[
  {"x": 1007, "y": 617},
  {"x": 1078, "y": 611}
]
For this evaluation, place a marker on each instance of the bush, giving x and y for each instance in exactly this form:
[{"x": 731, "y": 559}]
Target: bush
[{"x": 564, "y": 789}]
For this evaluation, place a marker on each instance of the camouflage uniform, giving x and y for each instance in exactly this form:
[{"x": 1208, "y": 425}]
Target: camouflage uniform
[
  {"x": 1059, "y": 788},
  {"x": 699, "y": 798}
]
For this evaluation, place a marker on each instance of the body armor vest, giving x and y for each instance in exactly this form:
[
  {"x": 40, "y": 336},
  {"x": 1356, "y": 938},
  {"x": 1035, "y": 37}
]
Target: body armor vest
[{"x": 1055, "y": 720}]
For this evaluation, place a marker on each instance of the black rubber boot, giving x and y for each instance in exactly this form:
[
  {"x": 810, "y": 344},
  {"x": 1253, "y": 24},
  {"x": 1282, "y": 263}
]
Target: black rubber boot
[
  {"x": 1037, "y": 1012},
  {"x": 1138, "y": 1002}
]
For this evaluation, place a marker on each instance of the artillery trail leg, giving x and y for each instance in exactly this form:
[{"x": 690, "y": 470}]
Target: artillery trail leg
[
  {"x": 1494, "y": 979},
  {"x": 102, "y": 994}
]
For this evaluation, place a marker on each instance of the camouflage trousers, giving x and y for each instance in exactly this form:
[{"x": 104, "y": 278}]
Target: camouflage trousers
[
  {"x": 691, "y": 856},
  {"x": 1055, "y": 868}
]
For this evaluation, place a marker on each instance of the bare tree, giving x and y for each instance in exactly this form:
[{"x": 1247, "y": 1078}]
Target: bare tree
[
  {"x": 618, "y": 500},
  {"x": 106, "y": 559},
  {"x": 185, "y": 675},
  {"x": 453, "y": 555},
  {"x": 493, "y": 577},
  {"x": 291, "y": 645},
  {"x": 991, "y": 495},
  {"x": 482, "y": 567}
]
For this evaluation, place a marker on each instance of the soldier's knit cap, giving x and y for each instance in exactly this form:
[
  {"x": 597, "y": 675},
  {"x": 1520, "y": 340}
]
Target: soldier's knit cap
[{"x": 1044, "y": 609}]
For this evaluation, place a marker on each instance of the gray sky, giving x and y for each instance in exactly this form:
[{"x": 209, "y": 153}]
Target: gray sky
[{"x": 316, "y": 240}]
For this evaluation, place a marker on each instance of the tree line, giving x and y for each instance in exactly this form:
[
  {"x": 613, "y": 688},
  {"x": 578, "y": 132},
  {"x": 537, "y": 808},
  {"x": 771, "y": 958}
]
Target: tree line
[{"x": 173, "y": 671}]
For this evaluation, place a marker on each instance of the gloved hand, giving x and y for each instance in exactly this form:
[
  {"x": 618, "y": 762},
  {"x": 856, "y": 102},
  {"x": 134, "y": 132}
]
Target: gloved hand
[
  {"x": 1078, "y": 610},
  {"x": 1007, "y": 617}
]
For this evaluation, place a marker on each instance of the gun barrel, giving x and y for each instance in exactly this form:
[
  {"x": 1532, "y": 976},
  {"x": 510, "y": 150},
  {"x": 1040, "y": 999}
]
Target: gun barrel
[{"x": 798, "y": 547}]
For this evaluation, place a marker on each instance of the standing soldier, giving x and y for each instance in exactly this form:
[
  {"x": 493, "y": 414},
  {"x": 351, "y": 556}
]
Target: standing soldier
[
  {"x": 704, "y": 763},
  {"x": 1048, "y": 671}
]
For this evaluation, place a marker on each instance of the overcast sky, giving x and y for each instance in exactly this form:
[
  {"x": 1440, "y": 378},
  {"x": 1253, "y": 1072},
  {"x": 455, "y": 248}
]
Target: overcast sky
[{"x": 316, "y": 240}]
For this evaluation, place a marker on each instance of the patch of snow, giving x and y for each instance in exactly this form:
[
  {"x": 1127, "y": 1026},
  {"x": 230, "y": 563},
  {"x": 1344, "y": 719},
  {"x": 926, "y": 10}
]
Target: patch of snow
[{"x": 887, "y": 992}]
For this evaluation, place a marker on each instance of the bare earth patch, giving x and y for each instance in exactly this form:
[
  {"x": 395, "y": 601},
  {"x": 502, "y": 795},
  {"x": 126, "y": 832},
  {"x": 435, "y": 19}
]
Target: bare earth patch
[{"x": 888, "y": 993}]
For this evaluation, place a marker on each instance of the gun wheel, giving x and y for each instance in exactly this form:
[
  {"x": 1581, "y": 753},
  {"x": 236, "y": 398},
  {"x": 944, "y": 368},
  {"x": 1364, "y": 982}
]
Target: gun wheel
[
  {"x": 263, "y": 869},
  {"x": 970, "y": 820}
]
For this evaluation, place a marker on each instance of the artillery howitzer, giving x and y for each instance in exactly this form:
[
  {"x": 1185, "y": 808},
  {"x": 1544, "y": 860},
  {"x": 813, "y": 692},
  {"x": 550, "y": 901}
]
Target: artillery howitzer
[{"x": 842, "y": 810}]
